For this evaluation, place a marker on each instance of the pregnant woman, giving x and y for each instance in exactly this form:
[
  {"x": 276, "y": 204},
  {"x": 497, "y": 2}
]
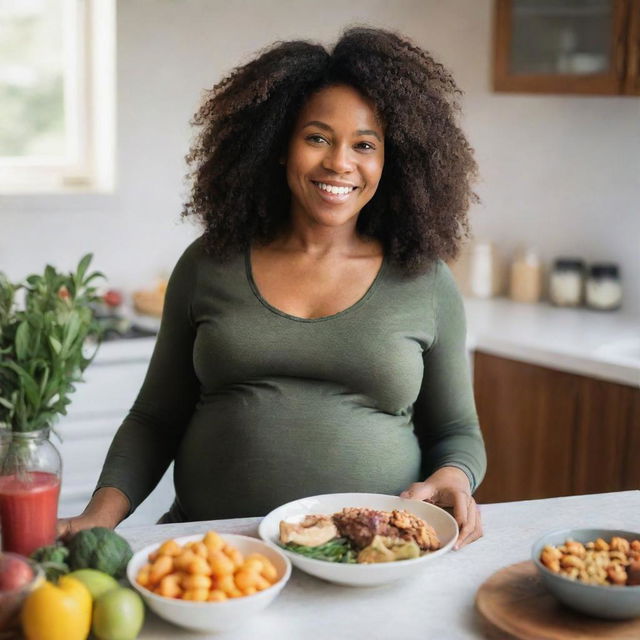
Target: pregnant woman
[{"x": 313, "y": 339}]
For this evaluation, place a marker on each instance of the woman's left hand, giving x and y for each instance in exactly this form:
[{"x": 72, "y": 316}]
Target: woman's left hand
[{"x": 449, "y": 487}]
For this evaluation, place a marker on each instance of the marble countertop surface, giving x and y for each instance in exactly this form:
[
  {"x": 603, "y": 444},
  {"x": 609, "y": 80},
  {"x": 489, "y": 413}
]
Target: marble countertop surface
[
  {"x": 437, "y": 605},
  {"x": 591, "y": 343},
  {"x": 599, "y": 344}
]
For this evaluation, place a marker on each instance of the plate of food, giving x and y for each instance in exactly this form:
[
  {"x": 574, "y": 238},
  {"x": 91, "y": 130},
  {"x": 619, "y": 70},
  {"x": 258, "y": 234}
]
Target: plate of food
[{"x": 360, "y": 539}]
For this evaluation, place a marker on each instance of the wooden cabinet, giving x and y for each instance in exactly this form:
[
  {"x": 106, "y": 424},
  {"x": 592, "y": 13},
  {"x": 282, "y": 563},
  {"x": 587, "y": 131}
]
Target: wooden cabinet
[
  {"x": 632, "y": 71},
  {"x": 551, "y": 433},
  {"x": 607, "y": 423},
  {"x": 567, "y": 46}
]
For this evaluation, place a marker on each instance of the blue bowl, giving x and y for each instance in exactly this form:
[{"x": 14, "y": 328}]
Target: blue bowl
[{"x": 611, "y": 602}]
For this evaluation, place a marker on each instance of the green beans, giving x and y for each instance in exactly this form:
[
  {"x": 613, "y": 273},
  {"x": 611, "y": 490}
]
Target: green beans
[{"x": 336, "y": 550}]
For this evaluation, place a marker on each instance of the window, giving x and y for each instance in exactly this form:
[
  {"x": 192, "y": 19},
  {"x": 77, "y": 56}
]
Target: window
[{"x": 57, "y": 95}]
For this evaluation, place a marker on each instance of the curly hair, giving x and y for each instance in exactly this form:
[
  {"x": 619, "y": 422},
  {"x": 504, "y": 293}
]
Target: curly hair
[{"x": 238, "y": 184}]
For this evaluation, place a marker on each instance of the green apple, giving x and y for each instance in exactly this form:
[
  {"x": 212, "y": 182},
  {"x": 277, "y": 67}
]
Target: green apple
[
  {"x": 96, "y": 581},
  {"x": 118, "y": 614}
]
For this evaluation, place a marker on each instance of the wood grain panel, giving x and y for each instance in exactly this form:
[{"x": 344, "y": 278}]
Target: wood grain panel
[
  {"x": 605, "y": 419},
  {"x": 631, "y": 476},
  {"x": 632, "y": 82},
  {"x": 515, "y": 600},
  {"x": 528, "y": 417}
]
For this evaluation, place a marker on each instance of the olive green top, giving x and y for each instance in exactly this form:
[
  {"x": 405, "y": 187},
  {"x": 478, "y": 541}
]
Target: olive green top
[{"x": 258, "y": 407}]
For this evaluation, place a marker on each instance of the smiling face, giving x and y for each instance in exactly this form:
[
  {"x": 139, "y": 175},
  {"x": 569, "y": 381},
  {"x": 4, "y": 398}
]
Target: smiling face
[{"x": 335, "y": 158}]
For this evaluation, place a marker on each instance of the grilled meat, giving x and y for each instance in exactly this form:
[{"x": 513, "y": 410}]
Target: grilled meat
[
  {"x": 413, "y": 528},
  {"x": 361, "y": 525}
]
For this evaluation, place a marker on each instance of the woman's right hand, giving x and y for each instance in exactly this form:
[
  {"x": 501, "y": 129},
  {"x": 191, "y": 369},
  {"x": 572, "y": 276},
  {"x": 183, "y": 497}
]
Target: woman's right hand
[
  {"x": 68, "y": 527},
  {"x": 107, "y": 508}
]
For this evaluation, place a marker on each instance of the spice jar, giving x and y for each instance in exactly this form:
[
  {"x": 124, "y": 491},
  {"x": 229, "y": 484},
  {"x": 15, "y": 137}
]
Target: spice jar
[
  {"x": 604, "y": 289},
  {"x": 484, "y": 270},
  {"x": 526, "y": 277},
  {"x": 566, "y": 282}
]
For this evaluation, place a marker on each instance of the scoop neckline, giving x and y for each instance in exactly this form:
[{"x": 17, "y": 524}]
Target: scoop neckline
[{"x": 356, "y": 305}]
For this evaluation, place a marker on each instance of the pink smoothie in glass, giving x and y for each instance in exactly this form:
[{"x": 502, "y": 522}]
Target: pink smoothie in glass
[{"x": 28, "y": 510}]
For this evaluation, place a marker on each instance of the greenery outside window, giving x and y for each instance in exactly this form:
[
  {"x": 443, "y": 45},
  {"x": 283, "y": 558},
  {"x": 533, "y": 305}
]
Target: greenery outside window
[{"x": 57, "y": 96}]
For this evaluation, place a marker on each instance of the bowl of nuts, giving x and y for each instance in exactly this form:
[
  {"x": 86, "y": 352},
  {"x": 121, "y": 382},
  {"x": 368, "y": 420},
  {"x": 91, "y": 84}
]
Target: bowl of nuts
[
  {"x": 209, "y": 582},
  {"x": 594, "y": 571}
]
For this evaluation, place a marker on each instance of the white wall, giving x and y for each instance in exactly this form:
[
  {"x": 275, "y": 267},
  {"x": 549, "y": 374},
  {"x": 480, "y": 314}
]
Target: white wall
[{"x": 561, "y": 173}]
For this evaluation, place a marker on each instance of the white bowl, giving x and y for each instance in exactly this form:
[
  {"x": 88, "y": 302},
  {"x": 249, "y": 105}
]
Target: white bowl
[
  {"x": 360, "y": 575},
  {"x": 213, "y": 616}
]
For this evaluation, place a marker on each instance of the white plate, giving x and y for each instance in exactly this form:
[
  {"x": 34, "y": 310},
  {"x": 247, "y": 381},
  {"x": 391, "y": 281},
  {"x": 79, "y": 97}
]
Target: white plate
[
  {"x": 360, "y": 575},
  {"x": 213, "y": 616}
]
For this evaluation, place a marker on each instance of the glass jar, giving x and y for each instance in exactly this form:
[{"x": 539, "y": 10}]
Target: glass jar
[
  {"x": 485, "y": 267},
  {"x": 566, "y": 282},
  {"x": 30, "y": 474},
  {"x": 526, "y": 277},
  {"x": 604, "y": 289}
]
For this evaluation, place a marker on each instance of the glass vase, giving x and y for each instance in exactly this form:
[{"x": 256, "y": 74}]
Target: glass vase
[{"x": 30, "y": 474}]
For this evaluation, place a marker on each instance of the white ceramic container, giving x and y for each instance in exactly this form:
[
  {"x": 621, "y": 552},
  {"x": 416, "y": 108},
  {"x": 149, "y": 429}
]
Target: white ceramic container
[
  {"x": 610, "y": 602},
  {"x": 213, "y": 616}
]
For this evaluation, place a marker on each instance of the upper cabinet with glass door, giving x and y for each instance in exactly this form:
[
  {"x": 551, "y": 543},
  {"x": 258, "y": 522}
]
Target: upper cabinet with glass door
[{"x": 567, "y": 46}]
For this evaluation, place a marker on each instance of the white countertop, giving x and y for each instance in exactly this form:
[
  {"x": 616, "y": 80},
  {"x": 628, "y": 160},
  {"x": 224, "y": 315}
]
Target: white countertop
[
  {"x": 591, "y": 343},
  {"x": 438, "y": 605}
]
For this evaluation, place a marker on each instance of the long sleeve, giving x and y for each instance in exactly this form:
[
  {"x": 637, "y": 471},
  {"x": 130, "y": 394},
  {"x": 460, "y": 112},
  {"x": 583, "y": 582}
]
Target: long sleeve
[
  {"x": 445, "y": 417},
  {"x": 147, "y": 440}
]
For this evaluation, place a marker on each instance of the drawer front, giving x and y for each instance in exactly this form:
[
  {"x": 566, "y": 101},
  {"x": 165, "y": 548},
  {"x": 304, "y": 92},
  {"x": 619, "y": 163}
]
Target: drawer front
[
  {"x": 81, "y": 465},
  {"x": 82, "y": 461},
  {"x": 109, "y": 388},
  {"x": 97, "y": 409},
  {"x": 86, "y": 427},
  {"x": 75, "y": 496},
  {"x": 72, "y": 506}
]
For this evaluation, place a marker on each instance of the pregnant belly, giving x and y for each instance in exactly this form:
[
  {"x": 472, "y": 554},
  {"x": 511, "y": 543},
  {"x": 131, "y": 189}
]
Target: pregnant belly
[{"x": 251, "y": 449}]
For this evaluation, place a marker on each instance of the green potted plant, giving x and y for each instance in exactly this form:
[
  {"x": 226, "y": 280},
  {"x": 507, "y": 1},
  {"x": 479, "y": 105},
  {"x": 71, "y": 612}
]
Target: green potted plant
[{"x": 45, "y": 322}]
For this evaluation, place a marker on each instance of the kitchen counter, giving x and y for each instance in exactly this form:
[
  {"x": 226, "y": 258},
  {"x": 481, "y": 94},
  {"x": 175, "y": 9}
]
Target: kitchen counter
[
  {"x": 598, "y": 344},
  {"x": 438, "y": 605}
]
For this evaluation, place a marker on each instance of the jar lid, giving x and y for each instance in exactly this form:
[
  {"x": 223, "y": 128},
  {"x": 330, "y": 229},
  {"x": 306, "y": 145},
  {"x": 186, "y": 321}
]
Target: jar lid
[
  {"x": 604, "y": 270},
  {"x": 568, "y": 264}
]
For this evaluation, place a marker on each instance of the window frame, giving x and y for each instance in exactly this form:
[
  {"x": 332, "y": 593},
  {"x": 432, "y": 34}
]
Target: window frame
[{"x": 90, "y": 116}]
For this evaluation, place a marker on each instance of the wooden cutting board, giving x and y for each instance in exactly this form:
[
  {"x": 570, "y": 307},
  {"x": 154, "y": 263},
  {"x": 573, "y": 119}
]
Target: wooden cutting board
[{"x": 515, "y": 601}]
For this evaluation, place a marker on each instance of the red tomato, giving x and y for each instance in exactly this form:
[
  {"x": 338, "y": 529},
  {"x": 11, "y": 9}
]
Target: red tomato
[
  {"x": 14, "y": 572},
  {"x": 112, "y": 298}
]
